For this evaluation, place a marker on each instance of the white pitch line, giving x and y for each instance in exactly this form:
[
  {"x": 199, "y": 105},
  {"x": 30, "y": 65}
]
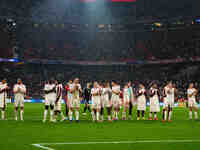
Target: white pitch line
[{"x": 41, "y": 145}]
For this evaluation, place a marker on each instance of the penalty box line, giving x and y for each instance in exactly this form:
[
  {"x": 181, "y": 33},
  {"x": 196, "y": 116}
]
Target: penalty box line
[{"x": 43, "y": 145}]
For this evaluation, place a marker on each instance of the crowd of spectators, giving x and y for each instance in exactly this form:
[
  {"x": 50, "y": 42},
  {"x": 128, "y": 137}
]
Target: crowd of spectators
[
  {"x": 72, "y": 31},
  {"x": 60, "y": 44}
]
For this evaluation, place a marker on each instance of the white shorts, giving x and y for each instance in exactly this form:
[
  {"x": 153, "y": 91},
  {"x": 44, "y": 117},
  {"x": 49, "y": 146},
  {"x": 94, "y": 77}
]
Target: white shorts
[
  {"x": 19, "y": 101},
  {"x": 115, "y": 101},
  {"x": 58, "y": 106},
  {"x": 96, "y": 103},
  {"x": 49, "y": 101},
  {"x": 107, "y": 103},
  {"x": 154, "y": 104},
  {"x": 141, "y": 103},
  {"x": 168, "y": 102},
  {"x": 74, "y": 103},
  {"x": 192, "y": 103}
]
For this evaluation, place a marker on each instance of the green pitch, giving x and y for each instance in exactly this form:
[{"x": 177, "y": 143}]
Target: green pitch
[{"x": 180, "y": 134}]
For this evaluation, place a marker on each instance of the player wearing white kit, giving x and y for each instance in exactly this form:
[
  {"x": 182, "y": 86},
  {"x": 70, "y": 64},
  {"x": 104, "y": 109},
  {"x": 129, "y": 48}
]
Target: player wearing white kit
[
  {"x": 141, "y": 101},
  {"x": 168, "y": 101},
  {"x": 96, "y": 101},
  {"x": 50, "y": 98},
  {"x": 58, "y": 103},
  {"x": 19, "y": 94},
  {"x": 46, "y": 102},
  {"x": 154, "y": 101},
  {"x": 192, "y": 104},
  {"x": 106, "y": 102},
  {"x": 74, "y": 102},
  {"x": 3, "y": 95},
  {"x": 115, "y": 99},
  {"x": 68, "y": 98},
  {"x": 132, "y": 98},
  {"x": 126, "y": 100}
]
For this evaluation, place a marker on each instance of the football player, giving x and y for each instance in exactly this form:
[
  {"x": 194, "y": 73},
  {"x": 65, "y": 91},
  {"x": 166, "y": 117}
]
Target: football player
[
  {"x": 192, "y": 104},
  {"x": 19, "y": 94}
]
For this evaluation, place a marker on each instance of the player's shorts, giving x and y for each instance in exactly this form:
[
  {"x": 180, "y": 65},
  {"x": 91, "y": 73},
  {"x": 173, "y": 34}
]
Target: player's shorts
[
  {"x": 96, "y": 103},
  {"x": 154, "y": 104},
  {"x": 19, "y": 100},
  {"x": 107, "y": 103},
  {"x": 49, "y": 101},
  {"x": 192, "y": 103},
  {"x": 115, "y": 100},
  {"x": 2, "y": 101},
  {"x": 58, "y": 106},
  {"x": 168, "y": 103},
  {"x": 74, "y": 103},
  {"x": 141, "y": 103}
]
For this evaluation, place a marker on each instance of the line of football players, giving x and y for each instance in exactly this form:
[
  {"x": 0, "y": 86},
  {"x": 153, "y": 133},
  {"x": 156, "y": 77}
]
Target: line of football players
[
  {"x": 112, "y": 99},
  {"x": 103, "y": 97}
]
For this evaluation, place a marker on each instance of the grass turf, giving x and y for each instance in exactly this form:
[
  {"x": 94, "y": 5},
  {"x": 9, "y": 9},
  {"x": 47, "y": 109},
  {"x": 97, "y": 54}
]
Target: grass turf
[{"x": 17, "y": 135}]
